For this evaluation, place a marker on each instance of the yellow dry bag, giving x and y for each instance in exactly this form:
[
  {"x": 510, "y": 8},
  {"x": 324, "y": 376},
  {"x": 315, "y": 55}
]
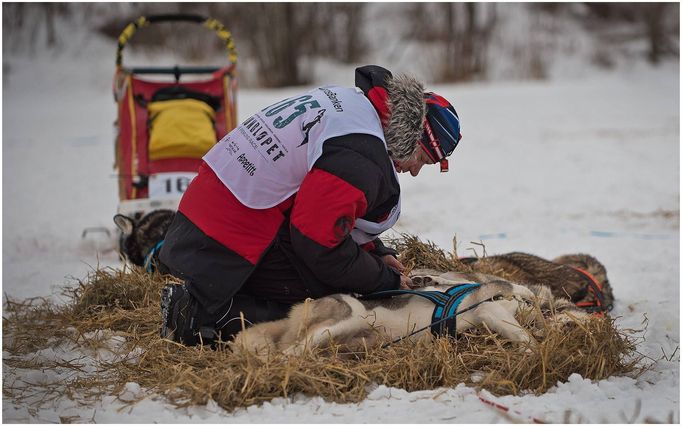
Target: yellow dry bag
[{"x": 180, "y": 128}]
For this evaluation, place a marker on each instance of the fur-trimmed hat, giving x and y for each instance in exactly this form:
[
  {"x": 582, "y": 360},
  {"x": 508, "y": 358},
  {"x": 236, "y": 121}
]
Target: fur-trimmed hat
[{"x": 399, "y": 101}]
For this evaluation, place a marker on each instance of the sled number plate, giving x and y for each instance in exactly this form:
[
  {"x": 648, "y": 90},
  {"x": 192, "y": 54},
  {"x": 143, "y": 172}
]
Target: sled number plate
[{"x": 169, "y": 185}]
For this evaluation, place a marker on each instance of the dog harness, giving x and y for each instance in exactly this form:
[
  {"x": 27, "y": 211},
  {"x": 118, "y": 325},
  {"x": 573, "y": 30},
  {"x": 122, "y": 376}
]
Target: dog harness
[
  {"x": 149, "y": 258},
  {"x": 598, "y": 306},
  {"x": 444, "y": 317}
]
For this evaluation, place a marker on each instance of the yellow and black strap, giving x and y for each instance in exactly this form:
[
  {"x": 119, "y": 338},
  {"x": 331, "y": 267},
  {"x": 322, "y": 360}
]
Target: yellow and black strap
[{"x": 209, "y": 23}]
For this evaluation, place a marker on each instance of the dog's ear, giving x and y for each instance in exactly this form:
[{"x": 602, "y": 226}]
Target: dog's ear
[{"x": 124, "y": 223}]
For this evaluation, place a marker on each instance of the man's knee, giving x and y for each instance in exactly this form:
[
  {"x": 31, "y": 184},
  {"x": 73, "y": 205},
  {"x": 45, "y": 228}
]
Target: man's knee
[{"x": 186, "y": 320}]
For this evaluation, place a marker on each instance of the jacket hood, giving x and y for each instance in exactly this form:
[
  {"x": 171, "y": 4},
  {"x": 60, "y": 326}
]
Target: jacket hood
[{"x": 399, "y": 101}]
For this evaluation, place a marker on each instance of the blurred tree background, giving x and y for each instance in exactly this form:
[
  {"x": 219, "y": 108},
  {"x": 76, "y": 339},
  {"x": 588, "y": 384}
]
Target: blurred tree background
[{"x": 280, "y": 41}]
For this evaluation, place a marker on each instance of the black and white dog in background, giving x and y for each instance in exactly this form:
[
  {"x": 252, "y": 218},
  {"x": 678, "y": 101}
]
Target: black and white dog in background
[{"x": 141, "y": 238}]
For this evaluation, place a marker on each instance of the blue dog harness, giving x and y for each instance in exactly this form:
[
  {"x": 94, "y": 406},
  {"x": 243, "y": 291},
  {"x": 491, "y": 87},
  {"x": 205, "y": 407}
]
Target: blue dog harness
[
  {"x": 444, "y": 318},
  {"x": 149, "y": 258}
]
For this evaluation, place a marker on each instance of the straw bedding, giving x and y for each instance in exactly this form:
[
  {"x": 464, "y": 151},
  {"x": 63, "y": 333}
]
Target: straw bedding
[{"x": 116, "y": 312}]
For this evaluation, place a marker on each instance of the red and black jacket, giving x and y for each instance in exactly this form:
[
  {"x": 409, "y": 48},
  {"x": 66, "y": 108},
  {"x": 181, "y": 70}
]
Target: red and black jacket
[{"x": 216, "y": 243}]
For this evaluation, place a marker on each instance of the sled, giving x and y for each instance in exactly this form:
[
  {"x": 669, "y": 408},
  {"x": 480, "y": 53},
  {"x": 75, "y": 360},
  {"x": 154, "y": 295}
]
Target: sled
[{"x": 164, "y": 128}]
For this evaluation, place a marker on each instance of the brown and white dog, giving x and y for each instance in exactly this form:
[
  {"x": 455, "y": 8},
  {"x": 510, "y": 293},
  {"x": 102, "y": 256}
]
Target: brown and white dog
[
  {"x": 356, "y": 323},
  {"x": 572, "y": 276}
]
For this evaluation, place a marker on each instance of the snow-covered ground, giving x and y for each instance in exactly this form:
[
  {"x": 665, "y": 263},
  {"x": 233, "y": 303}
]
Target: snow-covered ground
[{"x": 577, "y": 165}]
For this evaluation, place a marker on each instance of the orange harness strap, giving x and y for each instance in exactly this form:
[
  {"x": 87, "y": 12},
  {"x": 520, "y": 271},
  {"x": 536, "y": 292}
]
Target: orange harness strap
[{"x": 597, "y": 290}]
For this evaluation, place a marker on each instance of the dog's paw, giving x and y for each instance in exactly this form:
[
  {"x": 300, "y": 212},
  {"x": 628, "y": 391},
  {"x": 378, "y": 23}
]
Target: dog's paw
[{"x": 419, "y": 281}]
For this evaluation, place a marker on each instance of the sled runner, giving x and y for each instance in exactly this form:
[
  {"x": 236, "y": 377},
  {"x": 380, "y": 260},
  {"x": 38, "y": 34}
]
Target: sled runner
[{"x": 163, "y": 128}]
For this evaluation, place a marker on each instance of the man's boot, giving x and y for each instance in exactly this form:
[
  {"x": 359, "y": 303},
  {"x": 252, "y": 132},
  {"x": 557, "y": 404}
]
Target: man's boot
[{"x": 182, "y": 319}]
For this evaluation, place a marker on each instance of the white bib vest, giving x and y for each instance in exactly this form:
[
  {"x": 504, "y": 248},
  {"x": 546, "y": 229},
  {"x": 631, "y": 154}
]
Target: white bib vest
[{"x": 264, "y": 160}]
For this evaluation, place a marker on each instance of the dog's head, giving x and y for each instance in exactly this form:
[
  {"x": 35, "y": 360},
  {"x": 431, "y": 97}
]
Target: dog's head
[
  {"x": 593, "y": 267},
  {"x": 140, "y": 236}
]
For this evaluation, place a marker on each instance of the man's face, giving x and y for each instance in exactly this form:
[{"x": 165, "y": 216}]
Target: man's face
[{"x": 414, "y": 163}]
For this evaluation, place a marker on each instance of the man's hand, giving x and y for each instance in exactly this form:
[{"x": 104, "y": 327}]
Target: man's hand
[{"x": 405, "y": 281}]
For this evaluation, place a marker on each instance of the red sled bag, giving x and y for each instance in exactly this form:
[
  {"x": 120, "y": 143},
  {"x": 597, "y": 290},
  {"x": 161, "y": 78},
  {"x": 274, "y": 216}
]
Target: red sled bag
[{"x": 164, "y": 128}]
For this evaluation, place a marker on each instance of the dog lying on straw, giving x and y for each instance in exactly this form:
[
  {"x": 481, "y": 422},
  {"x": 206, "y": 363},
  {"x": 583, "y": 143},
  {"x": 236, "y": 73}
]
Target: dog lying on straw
[
  {"x": 359, "y": 322},
  {"x": 578, "y": 277}
]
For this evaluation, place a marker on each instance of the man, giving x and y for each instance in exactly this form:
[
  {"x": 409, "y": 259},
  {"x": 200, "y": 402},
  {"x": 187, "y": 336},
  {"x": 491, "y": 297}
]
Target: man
[{"x": 290, "y": 204}]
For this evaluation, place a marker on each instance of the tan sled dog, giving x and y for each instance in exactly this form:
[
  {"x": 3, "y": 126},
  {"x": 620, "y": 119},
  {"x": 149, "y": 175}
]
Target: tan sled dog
[
  {"x": 355, "y": 322},
  {"x": 578, "y": 277}
]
